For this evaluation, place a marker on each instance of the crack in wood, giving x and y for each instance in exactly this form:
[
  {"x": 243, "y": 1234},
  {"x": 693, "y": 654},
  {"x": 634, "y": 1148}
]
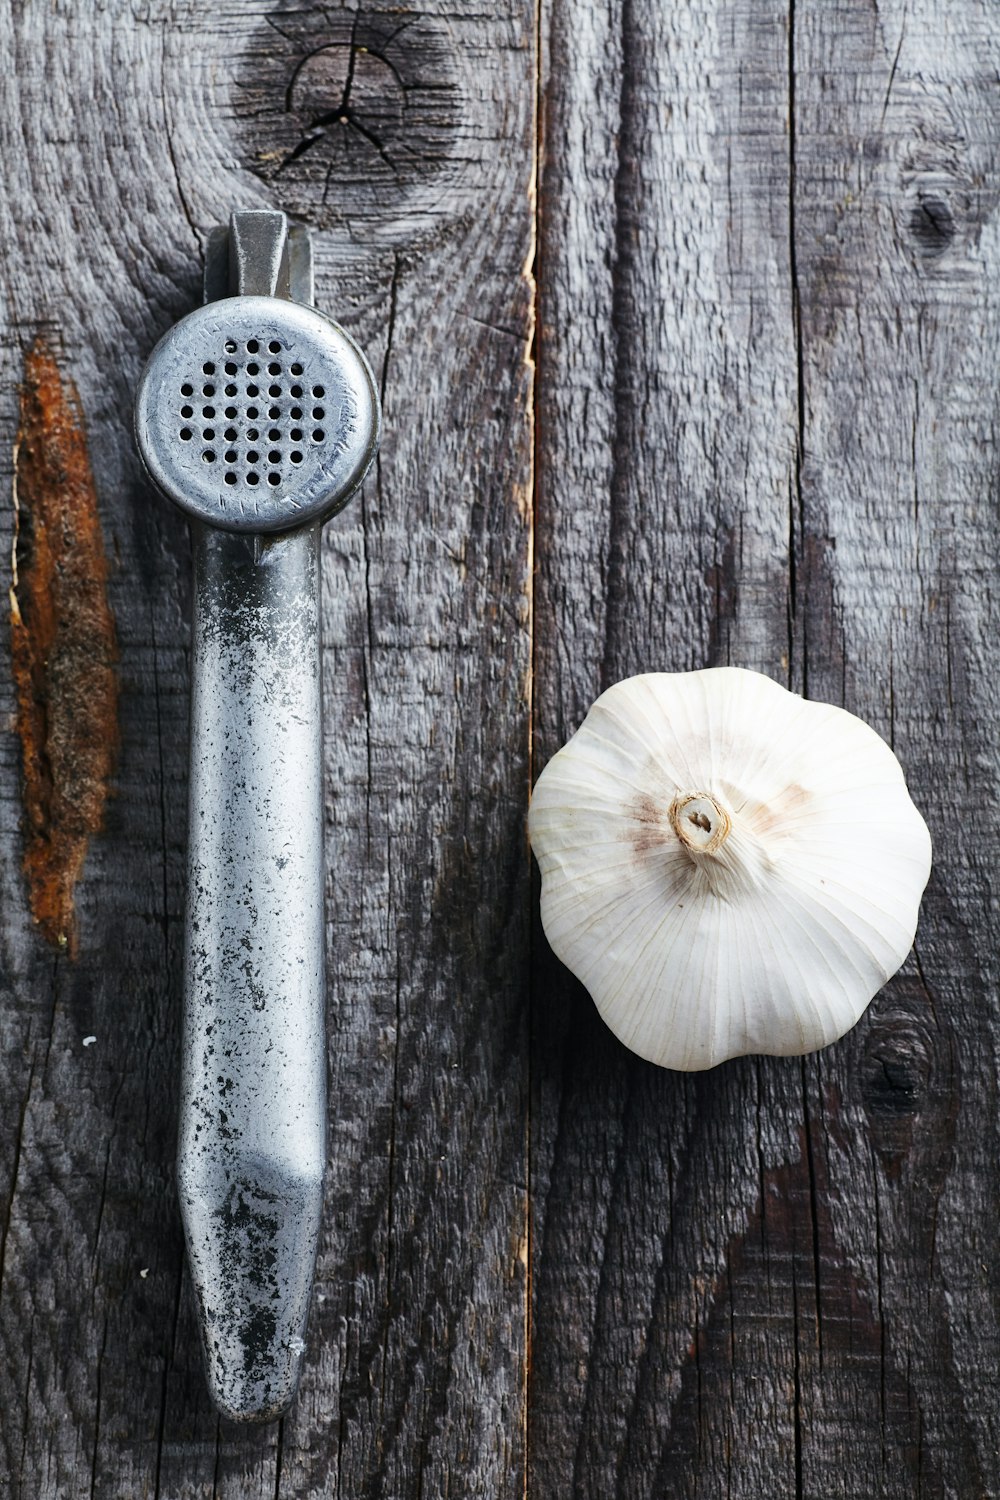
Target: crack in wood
[{"x": 353, "y": 112}]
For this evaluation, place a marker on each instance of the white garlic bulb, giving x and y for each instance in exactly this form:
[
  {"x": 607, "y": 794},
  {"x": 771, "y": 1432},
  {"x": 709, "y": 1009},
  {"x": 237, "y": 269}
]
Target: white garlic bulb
[{"x": 727, "y": 867}]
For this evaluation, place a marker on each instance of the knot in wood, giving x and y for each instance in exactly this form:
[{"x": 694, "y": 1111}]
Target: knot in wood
[
  {"x": 897, "y": 1088},
  {"x": 932, "y": 223},
  {"x": 352, "y": 115},
  {"x": 895, "y": 1073}
]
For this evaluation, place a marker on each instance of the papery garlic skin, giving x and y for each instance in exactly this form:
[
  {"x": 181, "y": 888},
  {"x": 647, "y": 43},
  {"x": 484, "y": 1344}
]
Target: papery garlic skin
[{"x": 727, "y": 867}]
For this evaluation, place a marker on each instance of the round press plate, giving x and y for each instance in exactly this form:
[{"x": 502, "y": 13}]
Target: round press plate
[{"x": 257, "y": 414}]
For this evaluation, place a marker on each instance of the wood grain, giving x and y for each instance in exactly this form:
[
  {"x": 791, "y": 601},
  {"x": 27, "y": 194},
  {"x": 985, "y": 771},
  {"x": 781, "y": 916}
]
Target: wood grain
[
  {"x": 768, "y": 254},
  {"x": 130, "y": 135},
  {"x": 763, "y": 430}
]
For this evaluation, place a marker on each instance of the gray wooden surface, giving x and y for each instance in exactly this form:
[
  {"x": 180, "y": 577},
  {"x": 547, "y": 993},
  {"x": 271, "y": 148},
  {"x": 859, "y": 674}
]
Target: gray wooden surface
[{"x": 686, "y": 320}]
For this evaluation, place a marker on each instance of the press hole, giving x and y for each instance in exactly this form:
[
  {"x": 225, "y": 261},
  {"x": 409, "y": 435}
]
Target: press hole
[
  {"x": 296, "y": 369},
  {"x": 274, "y": 412},
  {"x": 318, "y": 413},
  {"x": 208, "y": 456},
  {"x": 253, "y": 457},
  {"x": 296, "y": 413},
  {"x": 230, "y": 434},
  {"x": 252, "y": 346},
  {"x": 274, "y": 436},
  {"x": 296, "y": 434},
  {"x": 208, "y": 390},
  {"x": 187, "y": 390},
  {"x": 274, "y": 457},
  {"x": 253, "y": 369},
  {"x": 253, "y": 478},
  {"x": 252, "y": 413},
  {"x": 208, "y": 411},
  {"x": 187, "y": 411},
  {"x": 274, "y": 390},
  {"x": 295, "y": 456},
  {"x": 208, "y": 367},
  {"x": 209, "y": 434},
  {"x": 318, "y": 390},
  {"x": 230, "y": 368},
  {"x": 230, "y": 477},
  {"x": 253, "y": 390},
  {"x": 318, "y": 435},
  {"x": 296, "y": 391},
  {"x": 186, "y": 434},
  {"x": 274, "y": 369},
  {"x": 274, "y": 478},
  {"x": 232, "y": 456},
  {"x": 274, "y": 346},
  {"x": 230, "y": 346},
  {"x": 231, "y": 412}
]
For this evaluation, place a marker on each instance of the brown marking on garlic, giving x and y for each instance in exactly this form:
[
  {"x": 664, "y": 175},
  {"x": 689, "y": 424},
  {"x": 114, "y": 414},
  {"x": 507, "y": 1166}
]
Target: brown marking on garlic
[
  {"x": 647, "y": 825},
  {"x": 773, "y": 816}
]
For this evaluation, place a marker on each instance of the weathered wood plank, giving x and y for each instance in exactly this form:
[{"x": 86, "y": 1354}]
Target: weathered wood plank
[
  {"x": 897, "y": 151},
  {"x": 767, "y": 437},
  {"x": 130, "y": 132}
]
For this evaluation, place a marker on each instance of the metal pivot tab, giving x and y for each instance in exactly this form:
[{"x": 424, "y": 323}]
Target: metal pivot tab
[{"x": 259, "y": 417}]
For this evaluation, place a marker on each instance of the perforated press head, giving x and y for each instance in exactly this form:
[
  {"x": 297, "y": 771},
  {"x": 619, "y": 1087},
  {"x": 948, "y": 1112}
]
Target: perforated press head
[{"x": 257, "y": 414}]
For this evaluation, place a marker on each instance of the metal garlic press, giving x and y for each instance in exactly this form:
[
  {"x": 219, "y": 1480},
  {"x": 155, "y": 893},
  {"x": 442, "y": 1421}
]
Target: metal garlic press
[{"x": 259, "y": 417}]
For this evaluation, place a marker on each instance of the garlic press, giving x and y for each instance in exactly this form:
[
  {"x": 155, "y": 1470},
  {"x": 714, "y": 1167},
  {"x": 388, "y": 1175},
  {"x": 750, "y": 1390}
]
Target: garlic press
[{"x": 259, "y": 417}]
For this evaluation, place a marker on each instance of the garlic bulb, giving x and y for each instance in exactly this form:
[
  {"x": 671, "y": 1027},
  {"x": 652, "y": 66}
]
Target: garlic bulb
[{"x": 727, "y": 867}]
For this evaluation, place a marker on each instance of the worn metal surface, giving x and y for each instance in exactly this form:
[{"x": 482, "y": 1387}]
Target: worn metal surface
[
  {"x": 251, "y": 1145},
  {"x": 257, "y": 415},
  {"x": 251, "y": 1148}
]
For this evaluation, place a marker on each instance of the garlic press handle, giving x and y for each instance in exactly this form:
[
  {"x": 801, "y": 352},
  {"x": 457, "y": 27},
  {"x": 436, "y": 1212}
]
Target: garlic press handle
[
  {"x": 259, "y": 417},
  {"x": 253, "y": 1081},
  {"x": 252, "y": 1145}
]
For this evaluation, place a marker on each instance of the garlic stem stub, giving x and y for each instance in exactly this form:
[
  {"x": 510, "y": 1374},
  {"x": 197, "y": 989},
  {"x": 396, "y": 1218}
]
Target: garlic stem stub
[{"x": 727, "y": 867}]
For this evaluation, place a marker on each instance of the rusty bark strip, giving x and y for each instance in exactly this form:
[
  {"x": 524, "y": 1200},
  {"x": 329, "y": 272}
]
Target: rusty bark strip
[{"x": 62, "y": 645}]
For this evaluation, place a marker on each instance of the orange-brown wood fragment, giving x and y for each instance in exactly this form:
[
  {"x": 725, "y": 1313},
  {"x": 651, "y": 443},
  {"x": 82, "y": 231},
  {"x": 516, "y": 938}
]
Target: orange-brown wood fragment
[{"x": 62, "y": 645}]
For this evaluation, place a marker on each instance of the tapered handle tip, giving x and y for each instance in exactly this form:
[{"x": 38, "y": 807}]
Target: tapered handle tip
[{"x": 251, "y": 1243}]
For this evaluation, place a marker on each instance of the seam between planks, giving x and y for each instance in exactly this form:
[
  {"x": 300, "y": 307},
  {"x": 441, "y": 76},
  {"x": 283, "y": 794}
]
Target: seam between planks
[{"x": 532, "y": 357}]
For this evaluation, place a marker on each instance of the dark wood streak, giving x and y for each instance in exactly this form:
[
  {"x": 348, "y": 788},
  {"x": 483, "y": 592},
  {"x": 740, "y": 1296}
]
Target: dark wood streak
[{"x": 63, "y": 647}]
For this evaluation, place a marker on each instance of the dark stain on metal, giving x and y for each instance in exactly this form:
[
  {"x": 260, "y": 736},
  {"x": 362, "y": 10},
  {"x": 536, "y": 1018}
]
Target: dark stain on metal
[
  {"x": 252, "y": 1138},
  {"x": 63, "y": 647}
]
